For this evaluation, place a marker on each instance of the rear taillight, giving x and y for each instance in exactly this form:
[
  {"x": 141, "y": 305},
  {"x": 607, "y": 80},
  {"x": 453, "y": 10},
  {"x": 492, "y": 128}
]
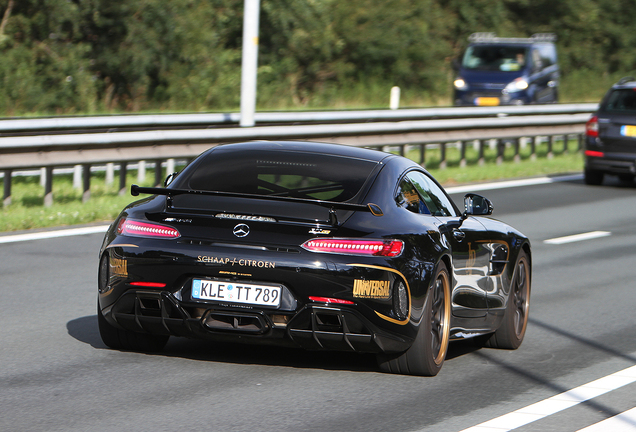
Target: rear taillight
[
  {"x": 137, "y": 228},
  {"x": 385, "y": 248},
  {"x": 591, "y": 127}
]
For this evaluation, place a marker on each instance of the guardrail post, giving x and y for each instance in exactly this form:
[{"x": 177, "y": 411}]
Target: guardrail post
[
  {"x": 517, "y": 158},
  {"x": 141, "y": 171},
  {"x": 110, "y": 173},
  {"x": 550, "y": 154},
  {"x": 402, "y": 150},
  {"x": 462, "y": 154},
  {"x": 158, "y": 173},
  {"x": 579, "y": 141},
  {"x": 481, "y": 159},
  {"x": 7, "y": 187},
  {"x": 48, "y": 186},
  {"x": 123, "y": 168},
  {"x": 501, "y": 145},
  {"x": 86, "y": 182},
  {"x": 533, "y": 148},
  {"x": 442, "y": 156},
  {"x": 77, "y": 177},
  {"x": 423, "y": 155}
]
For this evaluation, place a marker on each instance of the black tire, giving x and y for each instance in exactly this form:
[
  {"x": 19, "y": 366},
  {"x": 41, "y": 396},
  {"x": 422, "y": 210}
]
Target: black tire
[
  {"x": 513, "y": 327},
  {"x": 626, "y": 178},
  {"x": 593, "y": 177},
  {"x": 426, "y": 356},
  {"x": 120, "y": 339}
]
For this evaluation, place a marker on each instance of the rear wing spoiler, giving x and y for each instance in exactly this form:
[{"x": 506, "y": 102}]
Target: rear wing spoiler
[{"x": 374, "y": 209}]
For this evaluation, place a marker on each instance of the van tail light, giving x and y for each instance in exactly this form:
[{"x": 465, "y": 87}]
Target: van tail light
[
  {"x": 385, "y": 248},
  {"x": 591, "y": 127},
  {"x": 137, "y": 228}
]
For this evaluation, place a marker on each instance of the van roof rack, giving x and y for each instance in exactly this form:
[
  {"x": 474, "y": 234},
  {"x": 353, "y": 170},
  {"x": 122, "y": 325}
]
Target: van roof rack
[
  {"x": 625, "y": 80},
  {"x": 492, "y": 37}
]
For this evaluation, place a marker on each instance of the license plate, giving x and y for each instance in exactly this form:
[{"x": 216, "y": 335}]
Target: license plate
[
  {"x": 628, "y": 130},
  {"x": 233, "y": 292},
  {"x": 487, "y": 101}
]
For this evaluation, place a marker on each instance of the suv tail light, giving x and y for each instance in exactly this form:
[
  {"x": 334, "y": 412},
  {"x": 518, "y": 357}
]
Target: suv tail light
[
  {"x": 386, "y": 248},
  {"x": 591, "y": 127},
  {"x": 137, "y": 228}
]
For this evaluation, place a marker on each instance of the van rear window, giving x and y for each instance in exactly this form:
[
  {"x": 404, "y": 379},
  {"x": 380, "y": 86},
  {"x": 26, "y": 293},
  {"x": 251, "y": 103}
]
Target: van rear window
[{"x": 621, "y": 100}]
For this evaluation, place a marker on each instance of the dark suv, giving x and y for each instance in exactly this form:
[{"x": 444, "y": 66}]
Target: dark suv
[
  {"x": 507, "y": 71},
  {"x": 610, "y": 142}
]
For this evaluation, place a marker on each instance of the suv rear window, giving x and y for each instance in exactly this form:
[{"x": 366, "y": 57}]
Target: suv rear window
[
  {"x": 620, "y": 100},
  {"x": 285, "y": 174}
]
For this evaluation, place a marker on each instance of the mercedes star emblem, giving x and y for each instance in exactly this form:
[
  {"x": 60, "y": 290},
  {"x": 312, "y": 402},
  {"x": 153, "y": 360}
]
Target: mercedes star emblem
[{"x": 241, "y": 230}]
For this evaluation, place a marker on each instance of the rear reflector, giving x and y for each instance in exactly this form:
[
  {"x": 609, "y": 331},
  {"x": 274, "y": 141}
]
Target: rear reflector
[
  {"x": 592, "y": 153},
  {"x": 386, "y": 248},
  {"x": 330, "y": 300},
  {"x": 149, "y": 284},
  {"x": 144, "y": 229}
]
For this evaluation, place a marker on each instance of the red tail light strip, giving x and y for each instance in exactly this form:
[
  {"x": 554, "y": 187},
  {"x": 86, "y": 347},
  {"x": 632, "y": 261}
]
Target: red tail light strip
[
  {"x": 144, "y": 229},
  {"x": 386, "y": 248},
  {"x": 330, "y": 300},
  {"x": 149, "y": 284}
]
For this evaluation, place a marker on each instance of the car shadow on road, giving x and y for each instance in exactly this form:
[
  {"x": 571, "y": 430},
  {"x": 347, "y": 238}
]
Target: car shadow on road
[{"x": 84, "y": 329}]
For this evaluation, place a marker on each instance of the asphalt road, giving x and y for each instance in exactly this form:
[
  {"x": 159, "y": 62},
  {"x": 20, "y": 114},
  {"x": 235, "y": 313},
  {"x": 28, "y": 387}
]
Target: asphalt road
[{"x": 56, "y": 374}]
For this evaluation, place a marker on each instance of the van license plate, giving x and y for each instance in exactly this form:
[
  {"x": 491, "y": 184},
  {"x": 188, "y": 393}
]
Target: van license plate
[
  {"x": 487, "y": 101},
  {"x": 628, "y": 130}
]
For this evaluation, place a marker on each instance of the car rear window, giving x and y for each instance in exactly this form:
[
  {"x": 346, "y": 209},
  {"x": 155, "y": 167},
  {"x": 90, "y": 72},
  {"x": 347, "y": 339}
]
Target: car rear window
[
  {"x": 621, "y": 100},
  {"x": 285, "y": 174}
]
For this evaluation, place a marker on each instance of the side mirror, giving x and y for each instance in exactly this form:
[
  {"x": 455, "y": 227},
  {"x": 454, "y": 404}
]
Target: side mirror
[
  {"x": 169, "y": 179},
  {"x": 477, "y": 205}
]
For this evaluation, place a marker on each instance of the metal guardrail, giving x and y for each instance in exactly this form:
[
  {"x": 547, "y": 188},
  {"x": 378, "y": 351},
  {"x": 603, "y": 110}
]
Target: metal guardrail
[
  {"x": 8, "y": 126},
  {"x": 62, "y": 150}
]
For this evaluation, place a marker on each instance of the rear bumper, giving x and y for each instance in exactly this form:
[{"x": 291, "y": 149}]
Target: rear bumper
[
  {"x": 612, "y": 163},
  {"x": 314, "y": 327}
]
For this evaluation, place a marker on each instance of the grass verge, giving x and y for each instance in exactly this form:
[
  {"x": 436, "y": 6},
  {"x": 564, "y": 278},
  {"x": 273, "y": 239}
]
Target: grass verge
[{"x": 27, "y": 210}]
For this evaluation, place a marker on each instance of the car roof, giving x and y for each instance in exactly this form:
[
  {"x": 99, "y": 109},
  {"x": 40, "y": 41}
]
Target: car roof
[
  {"x": 308, "y": 147},
  {"x": 625, "y": 82}
]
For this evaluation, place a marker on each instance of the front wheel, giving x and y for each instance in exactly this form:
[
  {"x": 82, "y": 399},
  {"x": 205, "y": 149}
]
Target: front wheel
[
  {"x": 426, "y": 355},
  {"x": 513, "y": 328}
]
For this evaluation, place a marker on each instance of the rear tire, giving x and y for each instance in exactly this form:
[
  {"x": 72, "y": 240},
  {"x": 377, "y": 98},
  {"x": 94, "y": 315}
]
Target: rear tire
[
  {"x": 127, "y": 340},
  {"x": 513, "y": 328},
  {"x": 426, "y": 356},
  {"x": 626, "y": 178},
  {"x": 593, "y": 177},
  {"x": 121, "y": 339}
]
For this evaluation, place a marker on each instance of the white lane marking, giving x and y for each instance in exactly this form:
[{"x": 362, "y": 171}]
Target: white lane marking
[
  {"x": 557, "y": 403},
  {"x": 53, "y": 234},
  {"x": 578, "y": 237},
  {"x": 512, "y": 183},
  {"x": 622, "y": 422}
]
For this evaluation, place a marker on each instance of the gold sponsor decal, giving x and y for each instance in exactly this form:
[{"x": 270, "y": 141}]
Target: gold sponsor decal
[
  {"x": 374, "y": 289},
  {"x": 241, "y": 262},
  {"x": 118, "y": 267}
]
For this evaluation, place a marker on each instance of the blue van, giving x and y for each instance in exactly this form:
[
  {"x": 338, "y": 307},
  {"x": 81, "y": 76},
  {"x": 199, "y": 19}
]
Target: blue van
[{"x": 507, "y": 71}]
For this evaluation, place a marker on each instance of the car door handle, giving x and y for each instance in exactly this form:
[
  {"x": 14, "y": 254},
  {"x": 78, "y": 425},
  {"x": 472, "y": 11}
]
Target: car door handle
[{"x": 459, "y": 235}]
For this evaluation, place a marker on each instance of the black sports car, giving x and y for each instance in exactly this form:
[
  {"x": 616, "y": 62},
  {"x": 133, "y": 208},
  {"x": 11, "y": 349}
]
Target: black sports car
[{"x": 321, "y": 246}]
